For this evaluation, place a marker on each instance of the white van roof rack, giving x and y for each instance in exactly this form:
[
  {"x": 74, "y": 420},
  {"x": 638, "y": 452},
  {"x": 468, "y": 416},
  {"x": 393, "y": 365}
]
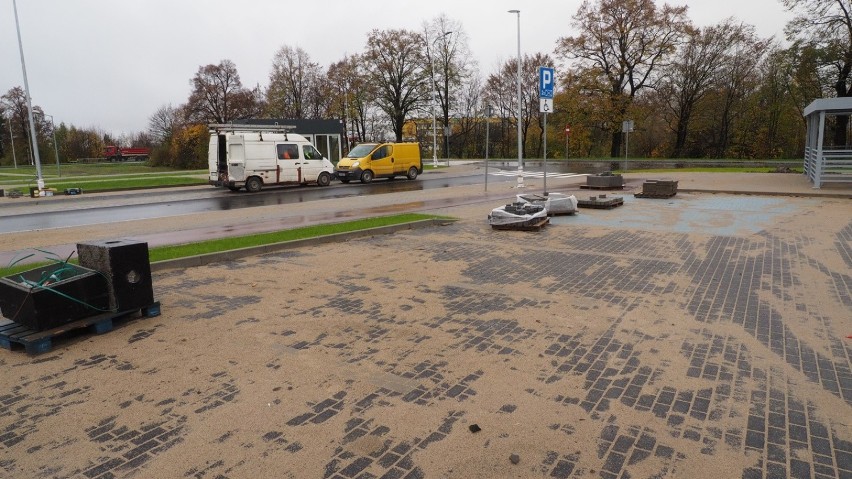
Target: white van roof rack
[{"x": 218, "y": 127}]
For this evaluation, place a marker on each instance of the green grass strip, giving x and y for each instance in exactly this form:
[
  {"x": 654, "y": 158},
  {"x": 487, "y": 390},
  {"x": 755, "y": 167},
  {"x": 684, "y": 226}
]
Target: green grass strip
[
  {"x": 710, "y": 169},
  {"x": 226, "y": 244},
  {"x": 162, "y": 253},
  {"x": 90, "y": 186}
]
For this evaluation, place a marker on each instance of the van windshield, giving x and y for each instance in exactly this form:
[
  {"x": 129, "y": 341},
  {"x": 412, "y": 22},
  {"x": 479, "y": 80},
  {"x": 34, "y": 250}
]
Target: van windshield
[{"x": 361, "y": 150}]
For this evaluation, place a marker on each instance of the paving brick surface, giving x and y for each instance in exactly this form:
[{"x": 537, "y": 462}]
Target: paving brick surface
[{"x": 588, "y": 349}]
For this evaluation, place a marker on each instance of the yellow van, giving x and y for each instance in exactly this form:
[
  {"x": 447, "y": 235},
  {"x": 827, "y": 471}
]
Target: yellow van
[{"x": 380, "y": 160}]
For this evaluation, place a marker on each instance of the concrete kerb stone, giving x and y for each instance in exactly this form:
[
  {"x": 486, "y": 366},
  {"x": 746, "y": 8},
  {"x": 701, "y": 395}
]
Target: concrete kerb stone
[
  {"x": 791, "y": 194},
  {"x": 231, "y": 255}
]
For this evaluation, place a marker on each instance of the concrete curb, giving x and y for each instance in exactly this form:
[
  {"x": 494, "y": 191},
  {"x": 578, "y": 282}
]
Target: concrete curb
[
  {"x": 791, "y": 194},
  {"x": 204, "y": 259}
]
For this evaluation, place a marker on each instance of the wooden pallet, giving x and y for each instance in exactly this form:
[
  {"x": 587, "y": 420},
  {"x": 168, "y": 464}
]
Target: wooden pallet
[
  {"x": 658, "y": 196},
  {"x": 13, "y": 334},
  {"x": 593, "y": 187},
  {"x": 523, "y": 227}
]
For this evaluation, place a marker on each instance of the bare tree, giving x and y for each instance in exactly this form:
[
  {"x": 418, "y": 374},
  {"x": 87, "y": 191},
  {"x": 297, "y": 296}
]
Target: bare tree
[
  {"x": 15, "y": 103},
  {"x": 395, "y": 59},
  {"x": 295, "y": 85},
  {"x": 162, "y": 122},
  {"x": 502, "y": 94},
  {"x": 693, "y": 73},
  {"x": 737, "y": 79},
  {"x": 218, "y": 96},
  {"x": 449, "y": 64},
  {"x": 625, "y": 42},
  {"x": 353, "y": 95}
]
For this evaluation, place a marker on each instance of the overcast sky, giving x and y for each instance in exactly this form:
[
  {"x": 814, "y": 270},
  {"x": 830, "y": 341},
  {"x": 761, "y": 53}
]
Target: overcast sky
[{"x": 110, "y": 63}]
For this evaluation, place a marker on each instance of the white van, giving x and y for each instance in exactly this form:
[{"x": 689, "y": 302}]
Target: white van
[{"x": 254, "y": 156}]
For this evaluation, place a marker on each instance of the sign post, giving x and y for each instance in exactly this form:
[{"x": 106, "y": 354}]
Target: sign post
[
  {"x": 567, "y": 137},
  {"x": 487, "y": 140},
  {"x": 626, "y": 128},
  {"x": 545, "y": 99}
]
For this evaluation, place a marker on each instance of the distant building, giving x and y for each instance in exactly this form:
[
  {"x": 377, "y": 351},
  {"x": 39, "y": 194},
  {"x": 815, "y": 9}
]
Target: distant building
[{"x": 326, "y": 135}]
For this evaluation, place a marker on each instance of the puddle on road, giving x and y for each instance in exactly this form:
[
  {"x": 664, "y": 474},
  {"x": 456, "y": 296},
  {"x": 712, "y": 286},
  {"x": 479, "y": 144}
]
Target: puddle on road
[{"x": 726, "y": 215}]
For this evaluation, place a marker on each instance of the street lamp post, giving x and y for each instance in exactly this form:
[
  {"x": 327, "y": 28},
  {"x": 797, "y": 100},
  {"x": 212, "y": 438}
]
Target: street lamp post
[
  {"x": 434, "y": 100},
  {"x": 55, "y": 149},
  {"x": 12, "y": 141},
  {"x": 39, "y": 178},
  {"x": 520, "y": 141},
  {"x": 487, "y": 140},
  {"x": 434, "y": 133}
]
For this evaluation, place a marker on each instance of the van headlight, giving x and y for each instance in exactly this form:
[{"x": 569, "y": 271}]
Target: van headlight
[{"x": 356, "y": 164}]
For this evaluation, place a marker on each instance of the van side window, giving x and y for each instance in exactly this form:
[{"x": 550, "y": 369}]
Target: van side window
[
  {"x": 380, "y": 153},
  {"x": 288, "y": 151},
  {"x": 311, "y": 153}
]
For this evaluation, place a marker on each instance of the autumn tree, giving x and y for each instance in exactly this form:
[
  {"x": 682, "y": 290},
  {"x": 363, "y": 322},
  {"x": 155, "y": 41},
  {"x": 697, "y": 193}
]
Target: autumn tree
[
  {"x": 395, "y": 60},
  {"x": 295, "y": 85},
  {"x": 694, "y": 72},
  {"x": 218, "y": 95},
  {"x": 825, "y": 26},
  {"x": 625, "y": 42}
]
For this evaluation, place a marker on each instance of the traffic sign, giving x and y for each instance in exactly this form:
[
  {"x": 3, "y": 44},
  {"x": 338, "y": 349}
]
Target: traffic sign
[
  {"x": 545, "y": 83},
  {"x": 545, "y": 105}
]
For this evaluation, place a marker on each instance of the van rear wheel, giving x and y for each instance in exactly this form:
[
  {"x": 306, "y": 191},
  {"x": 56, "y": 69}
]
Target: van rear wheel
[
  {"x": 324, "y": 179},
  {"x": 412, "y": 173},
  {"x": 253, "y": 184},
  {"x": 366, "y": 176}
]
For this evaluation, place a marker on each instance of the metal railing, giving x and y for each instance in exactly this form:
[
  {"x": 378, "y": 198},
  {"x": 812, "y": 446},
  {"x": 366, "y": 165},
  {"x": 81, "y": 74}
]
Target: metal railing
[{"x": 832, "y": 166}]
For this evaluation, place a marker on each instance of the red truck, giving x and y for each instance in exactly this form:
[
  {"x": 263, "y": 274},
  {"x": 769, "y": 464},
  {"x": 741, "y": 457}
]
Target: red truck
[{"x": 115, "y": 153}]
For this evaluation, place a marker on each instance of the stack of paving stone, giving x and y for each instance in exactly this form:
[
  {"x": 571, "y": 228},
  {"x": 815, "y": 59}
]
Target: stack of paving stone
[
  {"x": 601, "y": 202},
  {"x": 658, "y": 189},
  {"x": 604, "y": 181}
]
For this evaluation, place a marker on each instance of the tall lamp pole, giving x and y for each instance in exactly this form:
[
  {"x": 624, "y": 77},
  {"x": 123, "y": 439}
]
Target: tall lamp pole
[
  {"x": 55, "y": 149},
  {"x": 434, "y": 100},
  {"x": 434, "y": 126},
  {"x": 39, "y": 178},
  {"x": 487, "y": 140},
  {"x": 520, "y": 141},
  {"x": 12, "y": 140}
]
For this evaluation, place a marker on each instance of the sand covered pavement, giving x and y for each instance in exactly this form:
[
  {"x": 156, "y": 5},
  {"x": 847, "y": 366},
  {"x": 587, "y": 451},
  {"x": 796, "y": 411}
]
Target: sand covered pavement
[{"x": 701, "y": 336}]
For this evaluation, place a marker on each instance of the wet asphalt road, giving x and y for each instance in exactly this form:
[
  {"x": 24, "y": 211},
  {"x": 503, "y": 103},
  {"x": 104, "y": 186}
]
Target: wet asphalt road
[{"x": 169, "y": 203}]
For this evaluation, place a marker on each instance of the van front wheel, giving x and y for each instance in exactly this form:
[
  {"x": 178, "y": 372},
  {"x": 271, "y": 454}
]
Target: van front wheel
[
  {"x": 366, "y": 176},
  {"x": 324, "y": 179},
  {"x": 412, "y": 173},
  {"x": 253, "y": 184}
]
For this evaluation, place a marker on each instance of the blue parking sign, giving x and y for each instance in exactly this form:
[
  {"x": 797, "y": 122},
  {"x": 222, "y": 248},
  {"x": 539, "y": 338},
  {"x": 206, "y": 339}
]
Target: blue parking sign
[{"x": 545, "y": 82}]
